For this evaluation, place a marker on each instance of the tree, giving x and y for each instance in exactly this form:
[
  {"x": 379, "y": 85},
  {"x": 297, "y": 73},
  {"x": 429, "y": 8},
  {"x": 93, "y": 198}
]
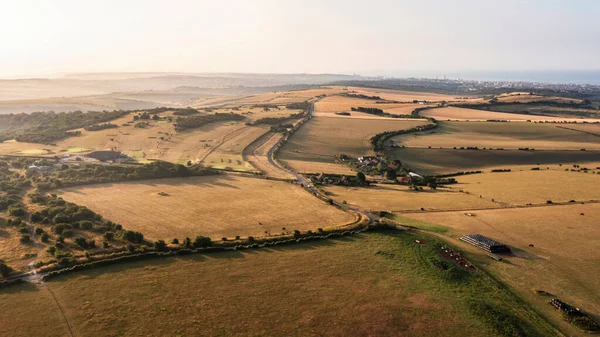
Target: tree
[
  {"x": 361, "y": 177},
  {"x": 202, "y": 241},
  {"x": 16, "y": 210},
  {"x": 108, "y": 236},
  {"x": 160, "y": 245},
  {"x": 81, "y": 242},
  {"x": 5, "y": 269},
  {"x": 175, "y": 241},
  {"x": 45, "y": 237},
  {"x": 390, "y": 174},
  {"x": 187, "y": 242},
  {"x": 433, "y": 185}
]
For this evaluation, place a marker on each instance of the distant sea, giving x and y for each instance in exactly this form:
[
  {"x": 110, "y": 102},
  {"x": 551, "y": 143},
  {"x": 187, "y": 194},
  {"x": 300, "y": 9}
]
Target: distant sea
[{"x": 576, "y": 77}]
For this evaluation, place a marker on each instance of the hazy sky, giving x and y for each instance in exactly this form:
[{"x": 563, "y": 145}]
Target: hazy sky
[{"x": 400, "y": 37}]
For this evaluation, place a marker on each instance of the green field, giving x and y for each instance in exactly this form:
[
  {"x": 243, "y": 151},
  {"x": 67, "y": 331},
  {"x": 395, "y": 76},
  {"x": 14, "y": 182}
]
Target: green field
[{"x": 386, "y": 285}]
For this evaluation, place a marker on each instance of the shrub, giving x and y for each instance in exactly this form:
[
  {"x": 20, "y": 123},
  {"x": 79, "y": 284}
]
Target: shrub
[
  {"x": 67, "y": 233},
  {"x": 39, "y": 231},
  {"x": 23, "y": 230},
  {"x": 45, "y": 237},
  {"x": 224, "y": 239},
  {"x": 549, "y": 201},
  {"x": 133, "y": 236},
  {"x": 251, "y": 239},
  {"x": 51, "y": 250},
  {"x": 61, "y": 227},
  {"x": 61, "y": 218},
  {"x": 81, "y": 242},
  {"x": 25, "y": 238},
  {"x": 86, "y": 224},
  {"x": 16, "y": 210},
  {"x": 175, "y": 241},
  {"x": 109, "y": 236}
]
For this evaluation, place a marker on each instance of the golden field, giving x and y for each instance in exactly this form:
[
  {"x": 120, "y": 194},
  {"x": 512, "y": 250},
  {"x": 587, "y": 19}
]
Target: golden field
[
  {"x": 463, "y": 114},
  {"x": 215, "y": 206},
  {"x": 536, "y": 187},
  {"x": 228, "y": 154},
  {"x": 398, "y": 198},
  {"x": 501, "y": 135}
]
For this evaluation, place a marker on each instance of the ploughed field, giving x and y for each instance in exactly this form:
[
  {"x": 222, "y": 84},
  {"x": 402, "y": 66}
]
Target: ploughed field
[
  {"x": 375, "y": 284},
  {"x": 215, "y": 206}
]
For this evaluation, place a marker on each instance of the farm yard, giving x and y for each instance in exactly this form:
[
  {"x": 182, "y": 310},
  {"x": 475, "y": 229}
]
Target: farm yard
[
  {"x": 384, "y": 285},
  {"x": 223, "y": 206}
]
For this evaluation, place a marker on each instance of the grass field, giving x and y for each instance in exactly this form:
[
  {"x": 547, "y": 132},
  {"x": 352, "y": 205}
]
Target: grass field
[
  {"x": 546, "y": 110},
  {"x": 214, "y": 206},
  {"x": 401, "y": 198},
  {"x": 12, "y": 251},
  {"x": 438, "y": 161},
  {"x": 563, "y": 261},
  {"x": 229, "y": 153},
  {"x": 321, "y": 139},
  {"x": 520, "y": 188},
  {"x": 501, "y": 135},
  {"x": 257, "y": 155},
  {"x": 462, "y": 114},
  {"x": 385, "y": 285}
]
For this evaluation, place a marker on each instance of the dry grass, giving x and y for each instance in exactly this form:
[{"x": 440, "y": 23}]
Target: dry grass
[
  {"x": 259, "y": 293},
  {"x": 400, "y": 198},
  {"x": 312, "y": 166},
  {"x": 321, "y": 139},
  {"x": 520, "y": 188},
  {"x": 463, "y": 114},
  {"x": 402, "y": 96},
  {"x": 30, "y": 310},
  {"x": 564, "y": 260},
  {"x": 214, "y": 206},
  {"x": 229, "y": 153},
  {"x": 501, "y": 135},
  {"x": 12, "y": 251}
]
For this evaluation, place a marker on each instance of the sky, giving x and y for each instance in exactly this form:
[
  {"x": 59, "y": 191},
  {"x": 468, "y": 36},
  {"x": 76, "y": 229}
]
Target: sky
[{"x": 376, "y": 37}]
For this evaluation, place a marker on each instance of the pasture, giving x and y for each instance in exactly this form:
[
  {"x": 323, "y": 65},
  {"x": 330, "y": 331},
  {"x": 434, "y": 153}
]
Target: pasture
[
  {"x": 384, "y": 285},
  {"x": 442, "y": 161},
  {"x": 501, "y": 135},
  {"x": 215, "y": 206},
  {"x": 321, "y": 139},
  {"x": 398, "y": 198},
  {"x": 563, "y": 259}
]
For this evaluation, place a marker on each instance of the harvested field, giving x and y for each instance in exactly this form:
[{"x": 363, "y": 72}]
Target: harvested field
[
  {"x": 536, "y": 187},
  {"x": 440, "y": 161},
  {"x": 214, "y": 206},
  {"x": 228, "y": 154},
  {"x": 401, "y": 95},
  {"x": 463, "y": 114},
  {"x": 563, "y": 260},
  {"x": 327, "y": 166},
  {"x": 400, "y": 198},
  {"x": 321, "y": 139},
  {"x": 501, "y": 135},
  {"x": 384, "y": 285}
]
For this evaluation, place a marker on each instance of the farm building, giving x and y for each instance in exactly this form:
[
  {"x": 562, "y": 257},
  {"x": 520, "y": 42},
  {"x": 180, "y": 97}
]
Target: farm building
[{"x": 485, "y": 243}]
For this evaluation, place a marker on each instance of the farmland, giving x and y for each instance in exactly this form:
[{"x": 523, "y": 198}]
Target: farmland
[
  {"x": 401, "y": 198},
  {"x": 441, "y": 161},
  {"x": 384, "y": 285},
  {"x": 562, "y": 261},
  {"x": 508, "y": 136},
  {"x": 464, "y": 114},
  {"x": 225, "y": 206},
  {"x": 228, "y": 154},
  {"x": 315, "y": 141}
]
